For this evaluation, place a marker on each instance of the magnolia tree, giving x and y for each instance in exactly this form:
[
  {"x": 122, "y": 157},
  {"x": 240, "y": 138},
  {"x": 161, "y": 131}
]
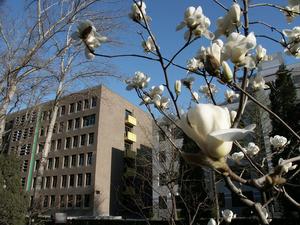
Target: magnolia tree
[{"x": 231, "y": 58}]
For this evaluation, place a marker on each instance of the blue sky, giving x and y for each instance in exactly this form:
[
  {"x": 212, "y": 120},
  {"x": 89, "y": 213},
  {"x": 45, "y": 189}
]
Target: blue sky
[{"x": 166, "y": 14}]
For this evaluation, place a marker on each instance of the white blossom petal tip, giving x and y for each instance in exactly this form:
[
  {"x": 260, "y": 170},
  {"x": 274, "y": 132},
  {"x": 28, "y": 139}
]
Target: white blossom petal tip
[{"x": 228, "y": 215}]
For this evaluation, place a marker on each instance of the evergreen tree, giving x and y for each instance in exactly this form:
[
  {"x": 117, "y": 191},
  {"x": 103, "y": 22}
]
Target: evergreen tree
[
  {"x": 13, "y": 200},
  {"x": 283, "y": 102}
]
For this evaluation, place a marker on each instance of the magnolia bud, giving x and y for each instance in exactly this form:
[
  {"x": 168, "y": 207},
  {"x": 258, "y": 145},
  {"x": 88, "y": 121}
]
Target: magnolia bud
[
  {"x": 177, "y": 87},
  {"x": 227, "y": 73},
  {"x": 212, "y": 65}
]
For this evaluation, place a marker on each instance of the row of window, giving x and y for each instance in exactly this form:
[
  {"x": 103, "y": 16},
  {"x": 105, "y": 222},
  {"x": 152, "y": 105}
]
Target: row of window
[
  {"x": 69, "y": 161},
  {"x": 66, "y": 181},
  {"x": 67, "y": 201},
  {"x": 78, "y": 106},
  {"x": 72, "y": 124},
  {"x": 27, "y": 117},
  {"x": 19, "y": 134}
]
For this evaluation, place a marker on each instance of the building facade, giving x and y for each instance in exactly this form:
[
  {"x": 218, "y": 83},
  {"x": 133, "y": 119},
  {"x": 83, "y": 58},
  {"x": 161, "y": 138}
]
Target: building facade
[{"x": 95, "y": 131}]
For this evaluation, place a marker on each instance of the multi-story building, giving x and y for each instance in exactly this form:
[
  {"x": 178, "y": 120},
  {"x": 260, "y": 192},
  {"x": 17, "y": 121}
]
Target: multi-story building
[{"x": 95, "y": 131}]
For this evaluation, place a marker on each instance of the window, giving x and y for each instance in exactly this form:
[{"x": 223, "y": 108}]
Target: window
[
  {"x": 70, "y": 201},
  {"x": 91, "y": 138},
  {"x": 73, "y": 160},
  {"x": 70, "y": 124},
  {"x": 89, "y": 158},
  {"x": 61, "y": 127},
  {"x": 58, "y": 145},
  {"x": 88, "y": 179},
  {"x": 45, "y": 204},
  {"x": 37, "y": 165},
  {"x": 42, "y": 131},
  {"x": 75, "y": 141},
  {"x": 64, "y": 181},
  {"x": 72, "y": 108},
  {"x": 127, "y": 113},
  {"x": 79, "y": 180},
  {"x": 86, "y": 104},
  {"x": 66, "y": 161},
  {"x": 77, "y": 123},
  {"x": 56, "y": 162},
  {"x": 78, "y": 201},
  {"x": 25, "y": 149},
  {"x": 162, "y": 202},
  {"x": 52, "y": 200},
  {"x": 55, "y": 128},
  {"x": 41, "y": 147},
  {"x": 33, "y": 117},
  {"x": 162, "y": 179},
  {"x": 87, "y": 200},
  {"x": 25, "y": 133},
  {"x": 79, "y": 106},
  {"x": 71, "y": 180},
  {"x": 47, "y": 182},
  {"x": 89, "y": 120},
  {"x": 68, "y": 142},
  {"x": 81, "y": 160},
  {"x": 82, "y": 139},
  {"x": 25, "y": 165},
  {"x": 34, "y": 183},
  {"x": 43, "y": 182},
  {"x": 30, "y": 132},
  {"x": 62, "y": 201},
  {"x": 54, "y": 181},
  {"x": 50, "y": 164},
  {"x": 62, "y": 110},
  {"x": 52, "y": 148},
  {"x": 23, "y": 181},
  {"x": 44, "y": 115},
  {"x": 94, "y": 101}
]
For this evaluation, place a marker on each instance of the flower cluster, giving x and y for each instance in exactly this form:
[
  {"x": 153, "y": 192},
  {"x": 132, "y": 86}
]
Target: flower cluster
[
  {"x": 87, "y": 33},
  {"x": 259, "y": 83},
  {"x": 286, "y": 167},
  {"x": 278, "y": 141},
  {"x": 252, "y": 149},
  {"x": 228, "y": 215},
  {"x": 196, "y": 22},
  {"x": 138, "y": 10},
  {"x": 237, "y": 156},
  {"x": 293, "y": 42},
  {"x": 230, "y": 96},
  {"x": 229, "y": 23},
  {"x": 207, "y": 90},
  {"x": 148, "y": 45},
  {"x": 293, "y": 10},
  {"x": 139, "y": 80}
]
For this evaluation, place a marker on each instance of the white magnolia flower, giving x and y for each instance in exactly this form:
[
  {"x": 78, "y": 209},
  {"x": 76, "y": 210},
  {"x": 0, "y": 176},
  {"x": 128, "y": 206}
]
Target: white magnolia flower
[
  {"x": 211, "y": 57},
  {"x": 261, "y": 53},
  {"x": 210, "y": 127},
  {"x": 230, "y": 96},
  {"x": 177, "y": 87},
  {"x": 294, "y": 8},
  {"x": 156, "y": 90},
  {"x": 227, "y": 72},
  {"x": 137, "y": 11},
  {"x": 194, "y": 64},
  {"x": 278, "y": 141},
  {"x": 148, "y": 45},
  {"x": 252, "y": 149},
  {"x": 236, "y": 48},
  {"x": 161, "y": 101},
  {"x": 196, "y": 22},
  {"x": 188, "y": 81},
  {"x": 139, "y": 80},
  {"x": 87, "y": 33},
  {"x": 286, "y": 166},
  {"x": 259, "y": 83},
  {"x": 195, "y": 96},
  {"x": 293, "y": 41},
  {"x": 212, "y": 222},
  {"x": 146, "y": 100},
  {"x": 237, "y": 156},
  {"x": 204, "y": 89},
  {"x": 228, "y": 23},
  {"x": 228, "y": 215}
]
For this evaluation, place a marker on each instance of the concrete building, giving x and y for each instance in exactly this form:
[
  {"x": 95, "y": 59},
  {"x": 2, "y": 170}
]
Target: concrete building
[{"x": 95, "y": 131}]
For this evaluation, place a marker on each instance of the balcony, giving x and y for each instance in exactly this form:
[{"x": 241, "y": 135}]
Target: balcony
[
  {"x": 130, "y": 154},
  {"x": 129, "y": 191},
  {"x": 130, "y": 172},
  {"x": 130, "y": 120},
  {"x": 130, "y": 137}
]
